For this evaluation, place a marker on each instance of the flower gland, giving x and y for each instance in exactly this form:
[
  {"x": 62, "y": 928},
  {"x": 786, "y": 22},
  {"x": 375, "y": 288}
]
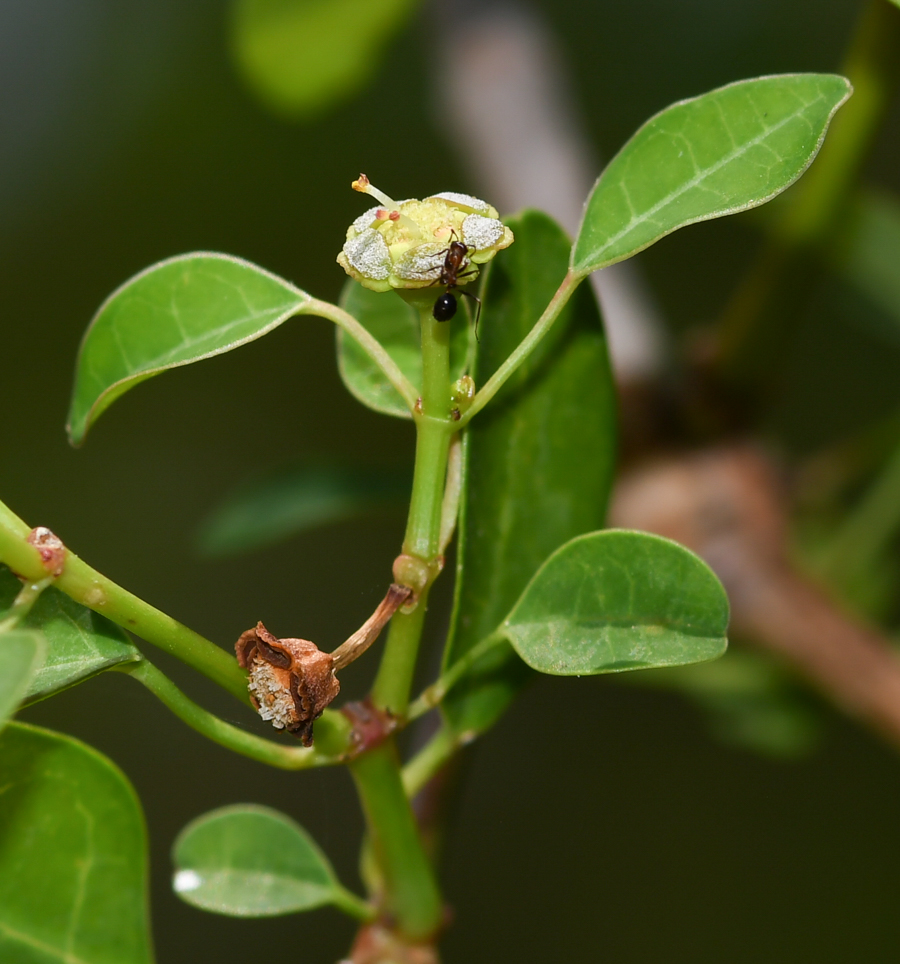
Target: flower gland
[{"x": 404, "y": 244}]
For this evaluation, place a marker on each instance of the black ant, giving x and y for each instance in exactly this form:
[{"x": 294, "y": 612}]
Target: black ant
[{"x": 456, "y": 264}]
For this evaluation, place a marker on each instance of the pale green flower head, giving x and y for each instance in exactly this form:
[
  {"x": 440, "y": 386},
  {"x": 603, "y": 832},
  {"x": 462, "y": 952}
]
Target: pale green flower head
[{"x": 402, "y": 244}]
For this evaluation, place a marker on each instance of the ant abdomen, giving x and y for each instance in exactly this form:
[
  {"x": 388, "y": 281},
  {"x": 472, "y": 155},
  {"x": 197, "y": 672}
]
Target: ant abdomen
[{"x": 445, "y": 307}]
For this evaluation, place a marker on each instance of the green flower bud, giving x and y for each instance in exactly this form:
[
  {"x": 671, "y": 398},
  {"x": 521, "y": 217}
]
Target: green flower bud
[{"x": 403, "y": 244}]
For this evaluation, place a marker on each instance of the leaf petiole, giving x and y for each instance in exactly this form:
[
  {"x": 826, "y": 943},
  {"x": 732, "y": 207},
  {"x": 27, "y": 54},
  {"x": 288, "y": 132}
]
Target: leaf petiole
[
  {"x": 528, "y": 344},
  {"x": 210, "y": 726}
]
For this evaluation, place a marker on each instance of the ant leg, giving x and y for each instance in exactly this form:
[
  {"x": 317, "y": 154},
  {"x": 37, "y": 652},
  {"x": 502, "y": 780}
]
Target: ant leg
[{"x": 477, "y": 300}]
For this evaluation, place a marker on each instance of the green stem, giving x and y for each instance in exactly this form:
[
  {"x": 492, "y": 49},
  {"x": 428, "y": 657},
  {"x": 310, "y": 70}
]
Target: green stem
[
  {"x": 370, "y": 345},
  {"x": 525, "y": 347},
  {"x": 27, "y": 596},
  {"x": 210, "y": 726},
  {"x": 434, "y": 429},
  {"x": 395, "y": 673},
  {"x": 411, "y": 893},
  {"x": 352, "y": 905},
  {"x": 430, "y": 697},
  {"x": 88, "y": 587},
  {"x": 431, "y": 759}
]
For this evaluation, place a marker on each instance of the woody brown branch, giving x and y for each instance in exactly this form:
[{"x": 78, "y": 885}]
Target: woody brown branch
[{"x": 727, "y": 506}]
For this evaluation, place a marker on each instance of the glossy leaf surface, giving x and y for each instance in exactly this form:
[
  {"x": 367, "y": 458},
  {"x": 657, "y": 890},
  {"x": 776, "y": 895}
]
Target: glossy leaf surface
[
  {"x": 723, "y": 152},
  {"x": 73, "y": 863},
  {"x": 174, "y": 313},
  {"x": 292, "y": 499},
  {"x": 251, "y": 861},
  {"x": 80, "y": 642},
  {"x": 22, "y": 653},
  {"x": 396, "y": 325},
  {"x": 612, "y": 601},
  {"x": 539, "y": 458},
  {"x": 302, "y": 55}
]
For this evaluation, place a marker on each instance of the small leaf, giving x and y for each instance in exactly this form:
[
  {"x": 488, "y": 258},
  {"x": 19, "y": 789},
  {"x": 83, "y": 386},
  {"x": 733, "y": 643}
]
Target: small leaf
[
  {"x": 80, "y": 642},
  {"x": 252, "y": 861},
  {"x": 395, "y": 324},
  {"x": 723, "y": 152},
  {"x": 616, "y": 600},
  {"x": 539, "y": 459},
  {"x": 292, "y": 499},
  {"x": 73, "y": 865},
  {"x": 22, "y": 653},
  {"x": 302, "y": 55},
  {"x": 174, "y": 313}
]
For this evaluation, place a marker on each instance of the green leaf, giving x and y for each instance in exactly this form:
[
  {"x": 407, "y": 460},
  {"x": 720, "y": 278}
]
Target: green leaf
[
  {"x": 174, "y": 313},
  {"x": 612, "y": 601},
  {"x": 300, "y": 56},
  {"x": 292, "y": 499},
  {"x": 539, "y": 459},
  {"x": 22, "y": 653},
  {"x": 869, "y": 252},
  {"x": 251, "y": 861},
  {"x": 73, "y": 866},
  {"x": 395, "y": 324},
  {"x": 723, "y": 152},
  {"x": 80, "y": 642}
]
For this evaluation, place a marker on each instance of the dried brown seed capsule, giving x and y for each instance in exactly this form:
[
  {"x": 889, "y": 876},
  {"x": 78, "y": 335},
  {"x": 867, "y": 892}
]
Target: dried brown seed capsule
[{"x": 291, "y": 680}]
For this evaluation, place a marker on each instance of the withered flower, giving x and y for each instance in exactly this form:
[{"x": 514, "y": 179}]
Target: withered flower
[{"x": 291, "y": 680}]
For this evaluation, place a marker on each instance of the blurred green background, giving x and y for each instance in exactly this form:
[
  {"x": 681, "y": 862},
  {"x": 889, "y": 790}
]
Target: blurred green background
[{"x": 620, "y": 831}]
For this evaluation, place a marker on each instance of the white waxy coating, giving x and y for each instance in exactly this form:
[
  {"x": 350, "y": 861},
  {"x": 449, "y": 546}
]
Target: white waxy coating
[
  {"x": 464, "y": 200},
  {"x": 421, "y": 263},
  {"x": 480, "y": 233},
  {"x": 368, "y": 253},
  {"x": 366, "y": 220}
]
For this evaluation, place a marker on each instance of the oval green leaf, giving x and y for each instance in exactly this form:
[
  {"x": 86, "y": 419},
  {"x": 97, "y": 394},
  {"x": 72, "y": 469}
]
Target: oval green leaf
[
  {"x": 539, "y": 459},
  {"x": 22, "y": 653},
  {"x": 179, "y": 311},
  {"x": 616, "y": 600},
  {"x": 251, "y": 861},
  {"x": 73, "y": 865},
  {"x": 80, "y": 642},
  {"x": 302, "y": 55},
  {"x": 723, "y": 152},
  {"x": 394, "y": 323}
]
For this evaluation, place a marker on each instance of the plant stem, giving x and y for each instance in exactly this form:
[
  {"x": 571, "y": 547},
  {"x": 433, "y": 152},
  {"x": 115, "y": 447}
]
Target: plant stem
[
  {"x": 373, "y": 348},
  {"x": 430, "y": 697},
  {"x": 412, "y": 895},
  {"x": 434, "y": 429},
  {"x": 28, "y": 595},
  {"x": 436, "y": 753},
  {"x": 210, "y": 726},
  {"x": 352, "y": 905},
  {"x": 525, "y": 347},
  {"x": 88, "y": 587}
]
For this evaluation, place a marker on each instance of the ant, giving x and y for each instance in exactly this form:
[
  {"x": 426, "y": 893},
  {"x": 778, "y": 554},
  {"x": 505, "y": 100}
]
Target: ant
[{"x": 456, "y": 264}]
